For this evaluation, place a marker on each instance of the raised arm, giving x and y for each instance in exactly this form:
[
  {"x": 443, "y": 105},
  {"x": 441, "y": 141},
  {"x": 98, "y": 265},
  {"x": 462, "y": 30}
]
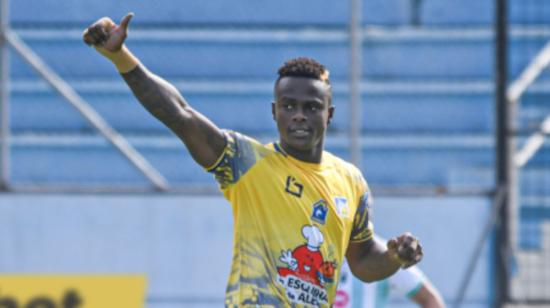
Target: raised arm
[
  {"x": 371, "y": 260},
  {"x": 204, "y": 140}
]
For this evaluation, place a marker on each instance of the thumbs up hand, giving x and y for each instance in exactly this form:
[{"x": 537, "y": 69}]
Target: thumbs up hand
[{"x": 106, "y": 36}]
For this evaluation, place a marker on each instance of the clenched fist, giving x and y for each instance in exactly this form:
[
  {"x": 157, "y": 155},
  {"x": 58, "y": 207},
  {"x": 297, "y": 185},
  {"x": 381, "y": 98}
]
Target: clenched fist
[{"x": 406, "y": 249}]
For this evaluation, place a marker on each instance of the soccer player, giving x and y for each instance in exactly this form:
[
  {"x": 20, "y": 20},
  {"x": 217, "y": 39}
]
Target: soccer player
[{"x": 298, "y": 210}]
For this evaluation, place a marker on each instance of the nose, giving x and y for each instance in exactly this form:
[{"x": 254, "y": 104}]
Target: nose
[{"x": 299, "y": 115}]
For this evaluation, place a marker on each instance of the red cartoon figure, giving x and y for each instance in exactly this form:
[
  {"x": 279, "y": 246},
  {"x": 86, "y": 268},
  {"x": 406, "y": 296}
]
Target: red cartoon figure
[
  {"x": 306, "y": 261},
  {"x": 326, "y": 272}
]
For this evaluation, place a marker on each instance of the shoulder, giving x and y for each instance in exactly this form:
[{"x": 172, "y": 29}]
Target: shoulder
[
  {"x": 241, "y": 154},
  {"x": 346, "y": 168},
  {"x": 246, "y": 144},
  {"x": 338, "y": 163}
]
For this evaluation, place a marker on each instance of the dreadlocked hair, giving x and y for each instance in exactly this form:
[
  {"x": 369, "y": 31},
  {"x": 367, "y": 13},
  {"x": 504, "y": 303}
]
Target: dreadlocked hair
[{"x": 304, "y": 67}]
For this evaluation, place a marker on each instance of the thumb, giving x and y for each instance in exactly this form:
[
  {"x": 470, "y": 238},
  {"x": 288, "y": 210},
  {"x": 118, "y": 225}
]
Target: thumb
[
  {"x": 126, "y": 20},
  {"x": 392, "y": 244}
]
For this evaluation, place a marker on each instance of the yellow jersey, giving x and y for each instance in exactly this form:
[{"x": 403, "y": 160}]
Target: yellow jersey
[{"x": 293, "y": 222}]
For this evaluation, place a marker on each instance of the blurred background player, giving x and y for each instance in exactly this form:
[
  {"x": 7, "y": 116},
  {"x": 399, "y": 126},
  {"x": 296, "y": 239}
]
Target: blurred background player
[{"x": 410, "y": 283}]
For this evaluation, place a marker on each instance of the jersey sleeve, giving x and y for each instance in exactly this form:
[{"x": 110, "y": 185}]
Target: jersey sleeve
[
  {"x": 239, "y": 155},
  {"x": 362, "y": 226},
  {"x": 406, "y": 282}
]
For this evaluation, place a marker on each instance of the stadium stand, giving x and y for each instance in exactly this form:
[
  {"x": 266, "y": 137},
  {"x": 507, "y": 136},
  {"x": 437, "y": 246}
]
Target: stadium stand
[
  {"x": 423, "y": 83},
  {"x": 400, "y": 84}
]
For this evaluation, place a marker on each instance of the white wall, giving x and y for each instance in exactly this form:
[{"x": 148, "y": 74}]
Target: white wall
[{"x": 183, "y": 243}]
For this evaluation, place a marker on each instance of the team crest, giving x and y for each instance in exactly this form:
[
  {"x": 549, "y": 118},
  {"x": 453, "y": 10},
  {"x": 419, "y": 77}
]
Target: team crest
[{"x": 320, "y": 211}]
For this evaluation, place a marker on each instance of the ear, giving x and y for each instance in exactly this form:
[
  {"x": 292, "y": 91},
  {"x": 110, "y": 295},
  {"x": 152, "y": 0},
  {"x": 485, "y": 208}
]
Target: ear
[
  {"x": 331, "y": 110},
  {"x": 273, "y": 110}
]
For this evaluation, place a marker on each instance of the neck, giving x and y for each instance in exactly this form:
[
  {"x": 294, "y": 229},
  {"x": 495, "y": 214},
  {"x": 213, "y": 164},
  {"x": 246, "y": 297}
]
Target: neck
[{"x": 313, "y": 155}]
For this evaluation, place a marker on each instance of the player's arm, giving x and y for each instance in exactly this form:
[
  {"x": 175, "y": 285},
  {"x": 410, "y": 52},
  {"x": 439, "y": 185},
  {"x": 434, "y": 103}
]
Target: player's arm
[
  {"x": 204, "y": 140},
  {"x": 368, "y": 258},
  {"x": 371, "y": 260},
  {"x": 428, "y": 296}
]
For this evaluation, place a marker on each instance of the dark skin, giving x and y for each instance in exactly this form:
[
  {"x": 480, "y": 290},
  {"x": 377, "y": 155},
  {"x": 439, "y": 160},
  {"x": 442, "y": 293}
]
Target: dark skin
[
  {"x": 302, "y": 111},
  {"x": 158, "y": 96}
]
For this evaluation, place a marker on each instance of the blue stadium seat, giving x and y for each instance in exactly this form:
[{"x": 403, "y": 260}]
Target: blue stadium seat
[
  {"x": 387, "y": 160},
  {"x": 250, "y": 12},
  {"x": 534, "y": 109},
  {"x": 417, "y": 108},
  {"x": 449, "y": 13},
  {"x": 285, "y": 13},
  {"x": 387, "y": 55},
  {"x": 166, "y": 12},
  {"x": 535, "y": 176},
  {"x": 188, "y": 57},
  {"x": 529, "y": 12},
  {"x": 468, "y": 13},
  {"x": 533, "y": 214}
]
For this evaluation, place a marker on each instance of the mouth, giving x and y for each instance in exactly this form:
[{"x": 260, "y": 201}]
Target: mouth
[{"x": 299, "y": 132}]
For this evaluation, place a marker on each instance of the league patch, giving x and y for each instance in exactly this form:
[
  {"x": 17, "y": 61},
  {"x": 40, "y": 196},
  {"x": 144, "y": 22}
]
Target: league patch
[{"x": 342, "y": 206}]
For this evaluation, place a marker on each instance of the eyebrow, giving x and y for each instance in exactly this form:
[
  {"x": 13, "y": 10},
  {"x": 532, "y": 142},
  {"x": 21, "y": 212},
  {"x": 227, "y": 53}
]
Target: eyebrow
[
  {"x": 293, "y": 100},
  {"x": 286, "y": 98}
]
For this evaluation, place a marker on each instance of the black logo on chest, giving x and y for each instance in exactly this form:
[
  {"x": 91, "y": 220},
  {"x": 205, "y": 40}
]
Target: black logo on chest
[{"x": 293, "y": 187}]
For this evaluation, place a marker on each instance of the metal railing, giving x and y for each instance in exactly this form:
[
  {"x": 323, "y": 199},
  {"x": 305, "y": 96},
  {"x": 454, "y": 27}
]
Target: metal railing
[
  {"x": 9, "y": 38},
  {"x": 4, "y": 96},
  {"x": 514, "y": 93}
]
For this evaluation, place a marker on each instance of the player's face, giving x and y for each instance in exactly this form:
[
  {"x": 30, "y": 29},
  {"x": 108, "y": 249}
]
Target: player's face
[{"x": 302, "y": 111}]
